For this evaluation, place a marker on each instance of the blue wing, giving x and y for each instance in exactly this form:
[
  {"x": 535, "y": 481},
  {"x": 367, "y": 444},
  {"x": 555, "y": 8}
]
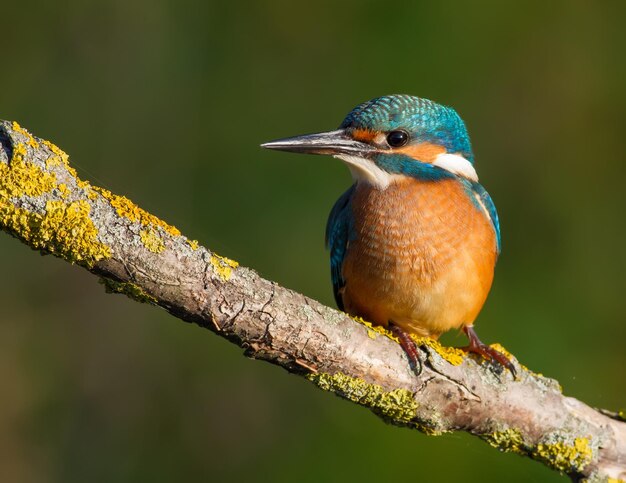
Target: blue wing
[
  {"x": 491, "y": 209},
  {"x": 338, "y": 230}
]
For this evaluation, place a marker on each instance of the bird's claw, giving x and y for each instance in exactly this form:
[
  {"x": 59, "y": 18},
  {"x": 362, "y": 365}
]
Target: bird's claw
[
  {"x": 409, "y": 346},
  {"x": 478, "y": 347}
]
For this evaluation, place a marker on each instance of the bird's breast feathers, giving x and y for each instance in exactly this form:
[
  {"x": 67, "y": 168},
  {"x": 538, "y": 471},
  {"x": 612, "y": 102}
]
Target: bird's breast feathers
[{"x": 421, "y": 254}]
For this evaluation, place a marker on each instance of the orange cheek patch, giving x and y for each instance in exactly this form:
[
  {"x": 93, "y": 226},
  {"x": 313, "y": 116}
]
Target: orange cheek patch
[
  {"x": 364, "y": 135},
  {"x": 425, "y": 152}
]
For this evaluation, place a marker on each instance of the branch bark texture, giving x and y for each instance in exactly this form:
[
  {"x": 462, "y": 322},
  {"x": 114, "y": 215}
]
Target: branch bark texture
[{"x": 44, "y": 204}]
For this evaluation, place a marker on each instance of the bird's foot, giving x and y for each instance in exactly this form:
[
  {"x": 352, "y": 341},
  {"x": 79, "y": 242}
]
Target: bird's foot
[
  {"x": 409, "y": 346},
  {"x": 478, "y": 347}
]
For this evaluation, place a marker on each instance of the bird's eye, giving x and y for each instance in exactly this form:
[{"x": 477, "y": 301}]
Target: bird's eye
[{"x": 396, "y": 139}]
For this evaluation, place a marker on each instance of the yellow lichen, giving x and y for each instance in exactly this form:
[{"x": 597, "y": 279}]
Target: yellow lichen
[
  {"x": 65, "y": 192},
  {"x": 561, "y": 455},
  {"x": 223, "y": 266},
  {"x": 509, "y": 440},
  {"x": 615, "y": 480},
  {"x": 21, "y": 178},
  {"x": 61, "y": 158},
  {"x": 57, "y": 150},
  {"x": 398, "y": 405},
  {"x": 451, "y": 354},
  {"x": 151, "y": 240},
  {"x": 127, "y": 209},
  {"x": 373, "y": 330},
  {"x": 565, "y": 457},
  {"x": 193, "y": 244},
  {"x": 66, "y": 230},
  {"x": 129, "y": 289},
  {"x": 91, "y": 194},
  {"x": 30, "y": 140},
  {"x": 53, "y": 161}
]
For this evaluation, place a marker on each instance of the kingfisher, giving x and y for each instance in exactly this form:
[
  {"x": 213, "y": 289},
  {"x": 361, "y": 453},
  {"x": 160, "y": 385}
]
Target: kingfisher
[{"x": 414, "y": 241}]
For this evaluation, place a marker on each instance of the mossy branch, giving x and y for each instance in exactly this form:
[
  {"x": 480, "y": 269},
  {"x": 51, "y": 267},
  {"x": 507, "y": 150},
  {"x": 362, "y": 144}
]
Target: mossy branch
[{"x": 44, "y": 204}]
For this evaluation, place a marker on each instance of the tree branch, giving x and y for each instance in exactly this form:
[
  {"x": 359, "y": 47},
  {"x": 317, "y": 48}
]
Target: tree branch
[{"x": 45, "y": 204}]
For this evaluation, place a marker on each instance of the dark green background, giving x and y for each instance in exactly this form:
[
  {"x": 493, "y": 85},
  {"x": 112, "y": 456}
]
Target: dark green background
[{"x": 167, "y": 102}]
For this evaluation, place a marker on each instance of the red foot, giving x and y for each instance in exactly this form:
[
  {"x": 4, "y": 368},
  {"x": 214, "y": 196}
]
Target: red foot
[
  {"x": 489, "y": 353},
  {"x": 409, "y": 347}
]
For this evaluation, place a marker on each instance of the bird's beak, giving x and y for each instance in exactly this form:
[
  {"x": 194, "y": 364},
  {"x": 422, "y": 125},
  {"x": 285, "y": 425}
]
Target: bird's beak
[{"x": 331, "y": 142}]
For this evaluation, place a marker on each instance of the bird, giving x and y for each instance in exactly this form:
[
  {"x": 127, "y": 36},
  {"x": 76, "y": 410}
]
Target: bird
[{"x": 414, "y": 240}]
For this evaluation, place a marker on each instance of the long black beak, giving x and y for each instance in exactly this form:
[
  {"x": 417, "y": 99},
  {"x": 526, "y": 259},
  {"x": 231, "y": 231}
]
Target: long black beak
[{"x": 331, "y": 142}]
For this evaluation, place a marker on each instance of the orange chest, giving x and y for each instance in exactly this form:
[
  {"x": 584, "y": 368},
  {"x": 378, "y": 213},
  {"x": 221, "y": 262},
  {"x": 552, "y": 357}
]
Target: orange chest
[{"x": 418, "y": 228}]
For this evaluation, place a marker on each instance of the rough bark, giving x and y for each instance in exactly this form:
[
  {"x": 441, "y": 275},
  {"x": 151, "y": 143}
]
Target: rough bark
[{"x": 43, "y": 203}]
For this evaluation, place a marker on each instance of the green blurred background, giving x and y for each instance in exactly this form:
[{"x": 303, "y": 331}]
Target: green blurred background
[{"x": 167, "y": 102}]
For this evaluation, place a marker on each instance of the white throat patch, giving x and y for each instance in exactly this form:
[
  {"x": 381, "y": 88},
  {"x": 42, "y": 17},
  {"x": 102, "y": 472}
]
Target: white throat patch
[
  {"x": 456, "y": 164},
  {"x": 363, "y": 169}
]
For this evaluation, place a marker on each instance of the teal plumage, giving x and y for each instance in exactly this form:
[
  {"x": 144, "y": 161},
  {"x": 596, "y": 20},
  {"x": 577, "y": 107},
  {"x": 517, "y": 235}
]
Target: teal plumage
[
  {"x": 481, "y": 192},
  {"x": 338, "y": 230}
]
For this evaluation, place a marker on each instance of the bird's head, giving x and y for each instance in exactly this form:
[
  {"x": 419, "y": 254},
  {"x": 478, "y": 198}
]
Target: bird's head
[{"x": 394, "y": 135}]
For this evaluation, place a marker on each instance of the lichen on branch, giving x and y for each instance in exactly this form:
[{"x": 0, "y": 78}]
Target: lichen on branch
[{"x": 62, "y": 227}]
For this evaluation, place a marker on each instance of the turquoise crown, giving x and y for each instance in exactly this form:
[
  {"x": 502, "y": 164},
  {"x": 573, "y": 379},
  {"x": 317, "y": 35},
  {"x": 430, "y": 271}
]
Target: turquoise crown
[{"x": 425, "y": 120}]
